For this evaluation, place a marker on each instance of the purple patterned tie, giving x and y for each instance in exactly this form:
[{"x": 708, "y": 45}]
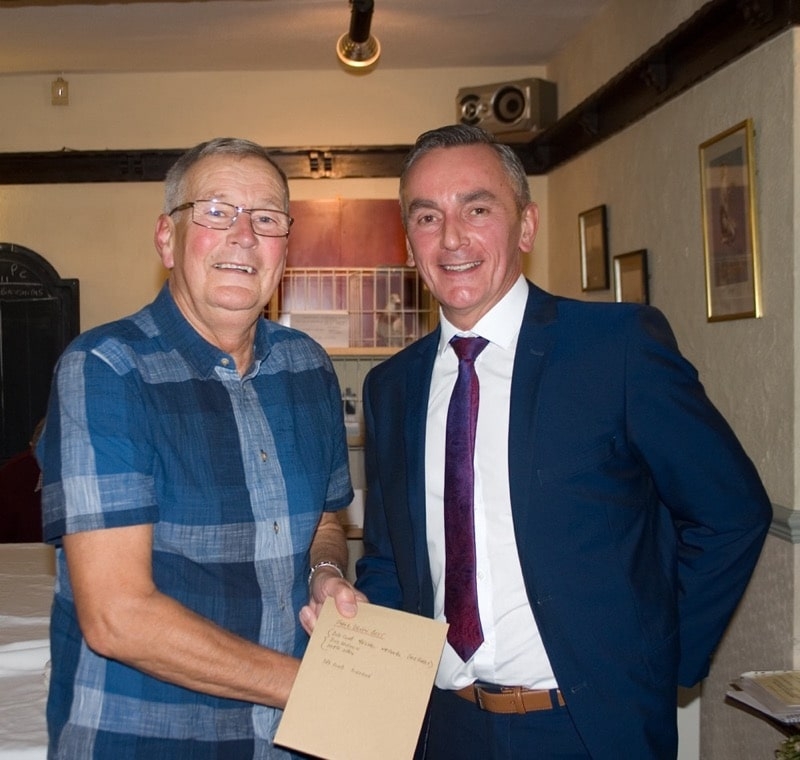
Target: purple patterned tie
[{"x": 460, "y": 589}]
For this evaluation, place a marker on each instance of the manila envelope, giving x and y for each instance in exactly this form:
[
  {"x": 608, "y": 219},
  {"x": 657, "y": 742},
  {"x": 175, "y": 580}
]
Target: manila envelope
[{"x": 363, "y": 685}]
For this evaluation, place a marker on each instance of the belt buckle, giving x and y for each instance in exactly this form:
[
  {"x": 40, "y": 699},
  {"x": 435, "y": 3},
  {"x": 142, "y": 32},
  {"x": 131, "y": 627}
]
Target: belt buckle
[{"x": 478, "y": 692}]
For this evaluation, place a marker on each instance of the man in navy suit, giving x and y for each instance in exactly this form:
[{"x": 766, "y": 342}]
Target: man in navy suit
[{"x": 617, "y": 519}]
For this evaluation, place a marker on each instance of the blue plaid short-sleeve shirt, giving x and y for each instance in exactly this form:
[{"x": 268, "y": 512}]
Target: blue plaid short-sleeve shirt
[{"x": 149, "y": 423}]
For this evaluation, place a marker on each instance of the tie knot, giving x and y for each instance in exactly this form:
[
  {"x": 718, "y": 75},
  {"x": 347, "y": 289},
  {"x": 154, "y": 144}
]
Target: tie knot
[{"x": 467, "y": 349}]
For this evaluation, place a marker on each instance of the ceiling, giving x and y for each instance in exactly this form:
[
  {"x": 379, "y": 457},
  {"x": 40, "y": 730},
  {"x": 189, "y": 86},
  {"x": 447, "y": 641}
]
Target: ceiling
[{"x": 62, "y": 36}]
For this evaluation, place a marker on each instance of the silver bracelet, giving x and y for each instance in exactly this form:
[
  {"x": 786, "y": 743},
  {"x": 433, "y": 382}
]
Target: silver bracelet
[{"x": 324, "y": 563}]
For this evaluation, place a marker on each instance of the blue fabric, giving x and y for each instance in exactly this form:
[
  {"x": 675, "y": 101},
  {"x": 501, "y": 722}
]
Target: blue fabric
[
  {"x": 149, "y": 423},
  {"x": 638, "y": 516},
  {"x": 481, "y": 735}
]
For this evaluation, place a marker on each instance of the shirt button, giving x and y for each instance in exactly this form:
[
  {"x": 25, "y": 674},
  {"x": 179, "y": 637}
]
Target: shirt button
[
  {"x": 263, "y": 455},
  {"x": 225, "y": 362}
]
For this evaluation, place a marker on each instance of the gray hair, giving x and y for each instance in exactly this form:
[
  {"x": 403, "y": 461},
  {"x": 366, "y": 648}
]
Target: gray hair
[
  {"x": 454, "y": 135},
  {"x": 175, "y": 181}
]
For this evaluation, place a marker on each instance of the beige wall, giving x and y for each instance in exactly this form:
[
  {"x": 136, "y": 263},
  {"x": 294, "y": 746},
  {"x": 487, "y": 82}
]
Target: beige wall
[
  {"x": 102, "y": 234},
  {"x": 761, "y": 358},
  {"x": 749, "y": 366},
  {"x": 647, "y": 176},
  {"x": 274, "y": 108},
  {"x": 622, "y": 32}
]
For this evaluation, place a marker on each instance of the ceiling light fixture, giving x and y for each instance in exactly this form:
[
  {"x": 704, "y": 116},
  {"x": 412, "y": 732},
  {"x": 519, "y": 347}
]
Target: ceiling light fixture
[{"x": 358, "y": 48}]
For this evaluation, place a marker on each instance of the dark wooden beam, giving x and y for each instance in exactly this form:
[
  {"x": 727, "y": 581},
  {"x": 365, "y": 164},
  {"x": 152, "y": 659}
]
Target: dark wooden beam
[
  {"x": 717, "y": 34},
  {"x": 49, "y": 167},
  {"x": 53, "y": 167}
]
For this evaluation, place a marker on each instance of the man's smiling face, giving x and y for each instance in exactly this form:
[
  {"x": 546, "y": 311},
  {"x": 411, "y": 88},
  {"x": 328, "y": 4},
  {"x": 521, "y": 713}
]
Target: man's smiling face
[
  {"x": 465, "y": 232},
  {"x": 224, "y": 277}
]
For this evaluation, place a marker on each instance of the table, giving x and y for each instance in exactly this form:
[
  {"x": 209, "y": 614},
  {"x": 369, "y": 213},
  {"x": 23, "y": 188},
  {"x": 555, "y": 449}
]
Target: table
[{"x": 26, "y": 591}]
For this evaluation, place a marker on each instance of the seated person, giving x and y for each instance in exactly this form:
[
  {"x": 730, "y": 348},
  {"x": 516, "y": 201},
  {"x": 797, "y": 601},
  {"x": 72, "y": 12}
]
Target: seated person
[{"x": 20, "y": 496}]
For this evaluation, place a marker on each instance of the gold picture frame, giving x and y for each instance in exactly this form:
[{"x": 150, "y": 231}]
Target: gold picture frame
[
  {"x": 631, "y": 278},
  {"x": 730, "y": 237},
  {"x": 593, "y": 236}
]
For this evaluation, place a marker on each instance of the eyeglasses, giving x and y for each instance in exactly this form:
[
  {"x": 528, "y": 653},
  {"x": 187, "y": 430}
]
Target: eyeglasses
[{"x": 216, "y": 215}]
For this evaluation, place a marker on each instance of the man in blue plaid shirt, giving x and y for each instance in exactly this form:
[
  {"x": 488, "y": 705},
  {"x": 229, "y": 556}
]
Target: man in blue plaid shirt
[{"x": 194, "y": 457}]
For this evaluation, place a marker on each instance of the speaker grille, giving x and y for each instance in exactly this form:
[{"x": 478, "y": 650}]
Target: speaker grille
[
  {"x": 511, "y": 110},
  {"x": 508, "y": 105},
  {"x": 470, "y": 109}
]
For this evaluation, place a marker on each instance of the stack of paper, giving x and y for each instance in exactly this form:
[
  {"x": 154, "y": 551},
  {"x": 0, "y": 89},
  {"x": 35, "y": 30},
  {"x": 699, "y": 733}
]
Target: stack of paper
[
  {"x": 363, "y": 685},
  {"x": 773, "y": 692}
]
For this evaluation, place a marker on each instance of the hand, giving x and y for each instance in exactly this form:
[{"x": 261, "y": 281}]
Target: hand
[{"x": 326, "y": 582}]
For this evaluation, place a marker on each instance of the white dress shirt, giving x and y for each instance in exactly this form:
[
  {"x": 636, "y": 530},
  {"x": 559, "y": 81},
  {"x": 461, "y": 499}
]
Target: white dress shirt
[{"x": 512, "y": 653}]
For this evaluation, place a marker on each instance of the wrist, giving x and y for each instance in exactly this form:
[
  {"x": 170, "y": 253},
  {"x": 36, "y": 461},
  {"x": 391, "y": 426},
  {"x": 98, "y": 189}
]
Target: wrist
[{"x": 329, "y": 564}]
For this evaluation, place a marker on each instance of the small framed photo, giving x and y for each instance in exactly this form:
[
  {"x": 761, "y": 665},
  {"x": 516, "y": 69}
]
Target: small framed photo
[
  {"x": 730, "y": 240},
  {"x": 594, "y": 249},
  {"x": 630, "y": 277}
]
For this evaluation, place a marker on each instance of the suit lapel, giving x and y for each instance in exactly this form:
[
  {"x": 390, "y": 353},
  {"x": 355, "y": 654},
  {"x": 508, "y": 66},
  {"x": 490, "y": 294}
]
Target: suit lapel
[
  {"x": 536, "y": 340},
  {"x": 418, "y": 383}
]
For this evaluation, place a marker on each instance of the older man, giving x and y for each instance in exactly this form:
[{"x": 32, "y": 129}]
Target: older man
[{"x": 193, "y": 458}]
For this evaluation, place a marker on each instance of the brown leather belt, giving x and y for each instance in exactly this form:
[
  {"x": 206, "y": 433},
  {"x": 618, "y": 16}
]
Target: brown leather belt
[{"x": 511, "y": 699}]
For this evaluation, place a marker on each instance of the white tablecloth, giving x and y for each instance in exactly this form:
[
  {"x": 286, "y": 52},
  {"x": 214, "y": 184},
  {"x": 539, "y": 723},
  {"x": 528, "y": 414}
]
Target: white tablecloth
[{"x": 26, "y": 592}]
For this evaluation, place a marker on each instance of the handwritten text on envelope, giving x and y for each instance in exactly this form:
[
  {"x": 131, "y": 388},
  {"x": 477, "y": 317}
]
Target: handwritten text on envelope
[{"x": 363, "y": 685}]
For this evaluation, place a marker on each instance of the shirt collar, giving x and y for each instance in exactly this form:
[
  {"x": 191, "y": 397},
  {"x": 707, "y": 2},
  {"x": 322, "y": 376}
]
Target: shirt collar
[
  {"x": 204, "y": 356},
  {"x": 500, "y": 325}
]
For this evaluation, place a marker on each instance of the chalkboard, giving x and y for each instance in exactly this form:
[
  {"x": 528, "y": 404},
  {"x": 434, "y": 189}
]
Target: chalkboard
[{"x": 39, "y": 316}]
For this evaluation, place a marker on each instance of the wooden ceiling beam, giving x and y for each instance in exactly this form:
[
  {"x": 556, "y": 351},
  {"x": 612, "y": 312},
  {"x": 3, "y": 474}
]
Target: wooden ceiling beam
[{"x": 717, "y": 34}]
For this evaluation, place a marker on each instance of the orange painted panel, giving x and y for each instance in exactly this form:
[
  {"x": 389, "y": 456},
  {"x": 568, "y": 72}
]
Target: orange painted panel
[
  {"x": 372, "y": 233},
  {"x": 346, "y": 233},
  {"x": 315, "y": 237}
]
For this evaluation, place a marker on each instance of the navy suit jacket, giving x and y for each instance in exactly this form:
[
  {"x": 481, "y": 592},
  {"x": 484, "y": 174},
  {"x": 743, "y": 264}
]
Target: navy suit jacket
[{"x": 638, "y": 516}]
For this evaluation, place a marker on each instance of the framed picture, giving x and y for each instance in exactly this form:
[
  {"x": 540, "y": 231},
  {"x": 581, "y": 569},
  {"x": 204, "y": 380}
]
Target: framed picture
[
  {"x": 733, "y": 287},
  {"x": 594, "y": 249},
  {"x": 630, "y": 277}
]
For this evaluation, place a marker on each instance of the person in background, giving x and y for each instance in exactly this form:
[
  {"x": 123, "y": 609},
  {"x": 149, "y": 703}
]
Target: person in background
[
  {"x": 609, "y": 519},
  {"x": 193, "y": 460},
  {"x": 20, "y": 495}
]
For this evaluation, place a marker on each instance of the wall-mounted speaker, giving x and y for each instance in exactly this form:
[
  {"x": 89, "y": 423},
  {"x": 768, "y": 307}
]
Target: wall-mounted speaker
[{"x": 512, "y": 111}]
